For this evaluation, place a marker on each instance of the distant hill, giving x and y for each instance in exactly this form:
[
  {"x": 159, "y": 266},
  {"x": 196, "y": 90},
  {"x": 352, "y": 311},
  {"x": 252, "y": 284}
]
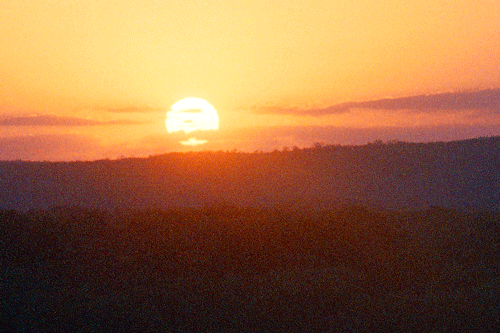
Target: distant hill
[{"x": 460, "y": 174}]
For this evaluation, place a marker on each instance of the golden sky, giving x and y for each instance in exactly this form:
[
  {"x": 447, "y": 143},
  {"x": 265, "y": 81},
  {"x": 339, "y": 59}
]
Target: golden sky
[{"x": 102, "y": 74}]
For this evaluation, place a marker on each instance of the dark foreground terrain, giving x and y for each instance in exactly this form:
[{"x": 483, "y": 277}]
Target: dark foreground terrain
[{"x": 222, "y": 268}]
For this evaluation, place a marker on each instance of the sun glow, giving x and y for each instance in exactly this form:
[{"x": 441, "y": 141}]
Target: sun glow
[
  {"x": 192, "y": 114},
  {"x": 193, "y": 142}
]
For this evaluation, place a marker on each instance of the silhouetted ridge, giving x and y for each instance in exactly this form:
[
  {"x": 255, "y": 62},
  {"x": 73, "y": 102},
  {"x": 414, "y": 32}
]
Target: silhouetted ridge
[{"x": 458, "y": 174}]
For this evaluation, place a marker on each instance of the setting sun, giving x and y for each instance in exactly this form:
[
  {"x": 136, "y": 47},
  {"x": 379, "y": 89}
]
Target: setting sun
[{"x": 192, "y": 114}]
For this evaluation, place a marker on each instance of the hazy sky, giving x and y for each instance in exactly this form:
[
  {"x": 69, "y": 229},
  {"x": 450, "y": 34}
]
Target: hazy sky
[{"x": 92, "y": 79}]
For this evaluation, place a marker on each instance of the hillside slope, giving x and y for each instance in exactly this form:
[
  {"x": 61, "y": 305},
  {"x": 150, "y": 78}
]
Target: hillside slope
[{"x": 460, "y": 174}]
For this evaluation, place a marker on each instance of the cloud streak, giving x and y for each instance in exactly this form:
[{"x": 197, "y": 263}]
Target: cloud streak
[
  {"x": 470, "y": 100},
  {"x": 50, "y": 120},
  {"x": 135, "y": 109}
]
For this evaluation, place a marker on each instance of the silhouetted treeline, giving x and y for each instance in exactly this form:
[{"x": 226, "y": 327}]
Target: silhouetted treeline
[
  {"x": 227, "y": 268},
  {"x": 397, "y": 175}
]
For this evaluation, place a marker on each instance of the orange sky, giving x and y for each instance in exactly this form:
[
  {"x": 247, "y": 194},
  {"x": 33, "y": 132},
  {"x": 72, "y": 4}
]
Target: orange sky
[{"x": 100, "y": 75}]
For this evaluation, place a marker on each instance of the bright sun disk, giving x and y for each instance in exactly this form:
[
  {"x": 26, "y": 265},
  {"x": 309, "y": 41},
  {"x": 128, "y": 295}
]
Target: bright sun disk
[{"x": 192, "y": 114}]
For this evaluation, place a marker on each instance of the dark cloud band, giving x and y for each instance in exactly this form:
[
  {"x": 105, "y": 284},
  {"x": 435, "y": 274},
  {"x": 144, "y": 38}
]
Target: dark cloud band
[
  {"x": 471, "y": 100},
  {"x": 135, "y": 109},
  {"x": 49, "y": 120}
]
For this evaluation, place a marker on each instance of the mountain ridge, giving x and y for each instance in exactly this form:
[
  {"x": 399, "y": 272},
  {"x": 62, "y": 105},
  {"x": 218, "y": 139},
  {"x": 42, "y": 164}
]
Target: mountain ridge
[{"x": 461, "y": 174}]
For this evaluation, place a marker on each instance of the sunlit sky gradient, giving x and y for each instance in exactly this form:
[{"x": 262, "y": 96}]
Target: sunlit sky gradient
[{"x": 94, "y": 79}]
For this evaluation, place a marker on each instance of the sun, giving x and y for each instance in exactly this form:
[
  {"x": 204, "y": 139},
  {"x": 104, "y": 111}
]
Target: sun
[{"x": 192, "y": 114}]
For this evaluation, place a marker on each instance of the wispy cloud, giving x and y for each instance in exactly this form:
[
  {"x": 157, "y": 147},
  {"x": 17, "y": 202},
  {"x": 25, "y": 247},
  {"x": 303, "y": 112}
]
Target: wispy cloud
[
  {"x": 299, "y": 111},
  {"x": 51, "y": 120},
  {"x": 135, "y": 109},
  {"x": 469, "y": 100}
]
